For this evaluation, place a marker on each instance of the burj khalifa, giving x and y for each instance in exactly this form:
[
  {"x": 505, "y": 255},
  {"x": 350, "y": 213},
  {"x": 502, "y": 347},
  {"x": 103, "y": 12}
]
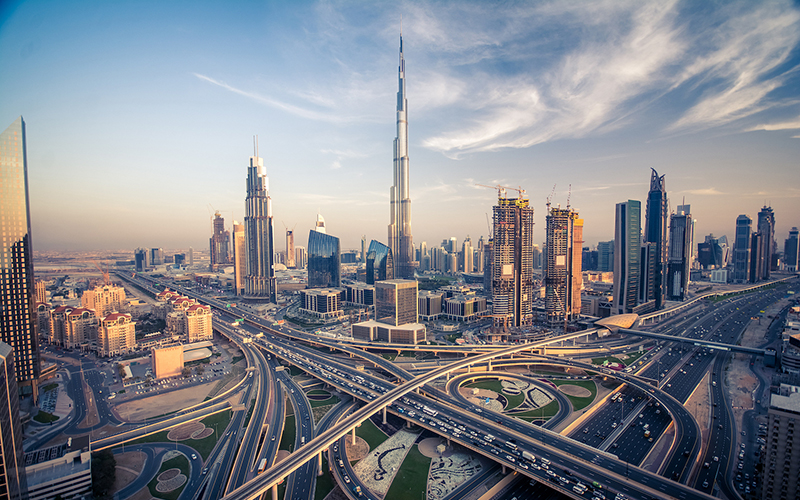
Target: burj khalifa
[{"x": 400, "y": 239}]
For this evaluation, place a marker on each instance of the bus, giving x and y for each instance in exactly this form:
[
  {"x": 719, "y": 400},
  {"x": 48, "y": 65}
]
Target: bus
[
  {"x": 262, "y": 466},
  {"x": 430, "y": 411}
]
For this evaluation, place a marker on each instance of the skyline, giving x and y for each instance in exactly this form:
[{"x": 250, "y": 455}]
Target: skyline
[{"x": 162, "y": 102}]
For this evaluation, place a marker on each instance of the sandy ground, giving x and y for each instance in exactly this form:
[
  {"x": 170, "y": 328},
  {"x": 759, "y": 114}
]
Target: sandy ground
[
  {"x": 698, "y": 405},
  {"x": 428, "y": 447},
  {"x": 355, "y": 452},
  {"x": 160, "y": 404},
  {"x": 575, "y": 390},
  {"x": 129, "y": 466}
]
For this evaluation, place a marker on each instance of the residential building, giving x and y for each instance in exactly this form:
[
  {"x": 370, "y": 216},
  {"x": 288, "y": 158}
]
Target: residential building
[
  {"x": 73, "y": 327},
  {"x": 104, "y": 299},
  {"x": 512, "y": 263},
  {"x": 400, "y": 239},
  {"x": 627, "y": 256},
  {"x": 761, "y": 247},
  {"x": 300, "y": 257},
  {"x": 562, "y": 272},
  {"x": 197, "y": 323},
  {"x": 259, "y": 281},
  {"x": 117, "y": 335},
  {"x": 18, "y": 320}
]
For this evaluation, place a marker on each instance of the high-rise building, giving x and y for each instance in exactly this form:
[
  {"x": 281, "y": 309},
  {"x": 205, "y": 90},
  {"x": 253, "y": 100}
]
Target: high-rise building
[
  {"x": 791, "y": 251},
  {"x": 466, "y": 249},
  {"x": 18, "y": 312},
  {"x": 488, "y": 259},
  {"x": 679, "y": 255},
  {"x": 741, "y": 248},
  {"x": 605, "y": 256},
  {"x": 396, "y": 302},
  {"x": 562, "y": 272},
  {"x": 380, "y": 263},
  {"x": 104, "y": 299},
  {"x": 191, "y": 256},
  {"x": 116, "y": 335},
  {"x": 73, "y": 327},
  {"x": 156, "y": 256},
  {"x": 13, "y": 483},
  {"x": 219, "y": 243},
  {"x": 766, "y": 229},
  {"x": 512, "y": 263},
  {"x": 400, "y": 239},
  {"x": 655, "y": 232},
  {"x": 781, "y": 476},
  {"x": 363, "y": 248},
  {"x": 290, "y": 258},
  {"x": 324, "y": 260},
  {"x": 258, "y": 232},
  {"x": 300, "y": 257},
  {"x": 627, "y": 255},
  {"x": 712, "y": 252},
  {"x": 239, "y": 258},
  {"x": 197, "y": 323},
  {"x": 140, "y": 259}
]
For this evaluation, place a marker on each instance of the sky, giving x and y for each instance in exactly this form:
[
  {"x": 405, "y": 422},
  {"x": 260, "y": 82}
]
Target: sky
[{"x": 141, "y": 115}]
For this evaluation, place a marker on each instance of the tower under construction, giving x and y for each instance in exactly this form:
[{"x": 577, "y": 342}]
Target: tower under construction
[
  {"x": 512, "y": 261},
  {"x": 562, "y": 272}
]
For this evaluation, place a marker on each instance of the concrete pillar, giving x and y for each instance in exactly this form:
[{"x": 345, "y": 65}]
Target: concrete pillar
[
  {"x": 490, "y": 365},
  {"x": 319, "y": 464},
  {"x": 408, "y": 423},
  {"x": 469, "y": 368},
  {"x": 448, "y": 375},
  {"x": 354, "y": 436},
  {"x": 274, "y": 492},
  {"x": 384, "y": 415},
  {"x": 504, "y": 469}
]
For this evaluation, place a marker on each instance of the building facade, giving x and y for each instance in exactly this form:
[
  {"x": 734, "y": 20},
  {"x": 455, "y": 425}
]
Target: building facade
[
  {"x": 766, "y": 242},
  {"x": 396, "y": 302},
  {"x": 322, "y": 303},
  {"x": 239, "y": 258},
  {"x": 13, "y": 481},
  {"x": 167, "y": 361},
  {"x": 324, "y": 261},
  {"x": 259, "y": 281},
  {"x": 627, "y": 255},
  {"x": 380, "y": 263},
  {"x": 62, "y": 471},
  {"x": 18, "y": 315},
  {"x": 104, "y": 299},
  {"x": 512, "y": 263},
  {"x": 197, "y": 323},
  {"x": 781, "y": 476},
  {"x": 562, "y": 272},
  {"x": 290, "y": 257},
  {"x": 400, "y": 239},
  {"x": 791, "y": 251},
  {"x": 219, "y": 243}
]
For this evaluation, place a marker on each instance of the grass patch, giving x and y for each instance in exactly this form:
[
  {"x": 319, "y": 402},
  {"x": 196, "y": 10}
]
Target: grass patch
[
  {"x": 543, "y": 413},
  {"x": 390, "y": 357},
  {"x": 408, "y": 354},
  {"x": 610, "y": 359},
  {"x": 180, "y": 462},
  {"x": 295, "y": 371},
  {"x": 371, "y": 434},
  {"x": 633, "y": 356},
  {"x": 491, "y": 384},
  {"x": 412, "y": 478},
  {"x": 317, "y": 392},
  {"x": 325, "y": 482},
  {"x": 45, "y": 418},
  {"x": 49, "y": 387},
  {"x": 327, "y": 402},
  {"x": 579, "y": 403},
  {"x": 514, "y": 400},
  {"x": 288, "y": 436},
  {"x": 236, "y": 359}
]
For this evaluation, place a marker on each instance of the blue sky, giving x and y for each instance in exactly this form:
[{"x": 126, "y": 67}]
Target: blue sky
[{"x": 141, "y": 115}]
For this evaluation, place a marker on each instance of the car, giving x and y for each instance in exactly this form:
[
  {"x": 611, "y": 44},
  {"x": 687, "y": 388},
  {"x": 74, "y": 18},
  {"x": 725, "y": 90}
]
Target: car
[{"x": 194, "y": 457}]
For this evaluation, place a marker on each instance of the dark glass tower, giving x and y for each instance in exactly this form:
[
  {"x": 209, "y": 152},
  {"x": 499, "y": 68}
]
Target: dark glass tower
[
  {"x": 741, "y": 248},
  {"x": 791, "y": 251},
  {"x": 655, "y": 232},
  {"x": 324, "y": 260},
  {"x": 680, "y": 253},
  {"x": 627, "y": 255},
  {"x": 17, "y": 308},
  {"x": 380, "y": 263},
  {"x": 258, "y": 229},
  {"x": 766, "y": 227},
  {"x": 13, "y": 484}
]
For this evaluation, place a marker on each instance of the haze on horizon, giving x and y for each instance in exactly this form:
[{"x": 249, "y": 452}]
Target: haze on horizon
[{"x": 140, "y": 117}]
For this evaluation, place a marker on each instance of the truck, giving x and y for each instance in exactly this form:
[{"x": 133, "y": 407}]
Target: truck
[
  {"x": 528, "y": 456},
  {"x": 262, "y": 466},
  {"x": 357, "y": 490},
  {"x": 647, "y": 433}
]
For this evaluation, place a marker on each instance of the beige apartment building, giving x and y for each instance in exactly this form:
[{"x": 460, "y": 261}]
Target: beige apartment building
[{"x": 117, "y": 335}]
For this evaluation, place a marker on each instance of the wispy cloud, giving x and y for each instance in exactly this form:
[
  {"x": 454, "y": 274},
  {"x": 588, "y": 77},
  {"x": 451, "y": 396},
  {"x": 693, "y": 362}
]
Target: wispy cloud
[
  {"x": 712, "y": 191},
  {"x": 790, "y": 125}
]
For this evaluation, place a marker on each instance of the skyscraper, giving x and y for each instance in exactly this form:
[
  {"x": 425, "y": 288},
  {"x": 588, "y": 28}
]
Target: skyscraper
[
  {"x": 766, "y": 227},
  {"x": 679, "y": 255},
  {"x": 13, "y": 483},
  {"x": 627, "y": 254},
  {"x": 380, "y": 263},
  {"x": 512, "y": 273},
  {"x": 219, "y": 243},
  {"x": 324, "y": 259},
  {"x": 466, "y": 249},
  {"x": 655, "y": 232},
  {"x": 791, "y": 251},
  {"x": 239, "y": 258},
  {"x": 290, "y": 259},
  {"x": 562, "y": 272},
  {"x": 18, "y": 314},
  {"x": 741, "y": 248},
  {"x": 605, "y": 256},
  {"x": 258, "y": 233},
  {"x": 400, "y": 239}
]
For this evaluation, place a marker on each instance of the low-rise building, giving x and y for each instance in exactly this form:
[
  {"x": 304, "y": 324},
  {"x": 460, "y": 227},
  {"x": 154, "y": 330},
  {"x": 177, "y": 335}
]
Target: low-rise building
[
  {"x": 410, "y": 333},
  {"x": 430, "y": 305},
  {"x": 322, "y": 303},
  {"x": 465, "y": 307},
  {"x": 198, "y": 323},
  {"x": 167, "y": 361},
  {"x": 62, "y": 471}
]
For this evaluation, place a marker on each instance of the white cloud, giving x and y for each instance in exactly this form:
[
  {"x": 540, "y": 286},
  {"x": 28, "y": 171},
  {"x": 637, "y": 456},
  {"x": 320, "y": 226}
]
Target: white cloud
[
  {"x": 706, "y": 191},
  {"x": 777, "y": 126}
]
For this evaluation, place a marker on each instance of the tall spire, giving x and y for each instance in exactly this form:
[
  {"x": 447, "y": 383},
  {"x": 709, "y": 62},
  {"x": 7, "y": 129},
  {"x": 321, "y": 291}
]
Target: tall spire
[{"x": 400, "y": 239}]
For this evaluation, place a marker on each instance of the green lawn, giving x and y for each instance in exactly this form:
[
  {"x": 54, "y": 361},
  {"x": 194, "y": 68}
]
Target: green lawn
[
  {"x": 202, "y": 446},
  {"x": 371, "y": 434},
  {"x": 49, "y": 387},
  {"x": 633, "y": 356},
  {"x": 390, "y": 357},
  {"x": 295, "y": 371},
  {"x": 408, "y": 354},
  {"x": 579, "y": 403},
  {"x": 325, "y": 482},
  {"x": 495, "y": 385},
  {"x": 412, "y": 479},
  {"x": 610, "y": 359},
  {"x": 44, "y": 417},
  {"x": 542, "y": 413},
  {"x": 318, "y": 392},
  {"x": 327, "y": 402},
  {"x": 289, "y": 431},
  {"x": 180, "y": 462}
]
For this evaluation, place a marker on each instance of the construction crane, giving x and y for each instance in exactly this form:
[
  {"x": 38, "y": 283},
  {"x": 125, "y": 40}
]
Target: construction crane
[
  {"x": 501, "y": 190},
  {"x": 106, "y": 274},
  {"x": 569, "y": 195},
  {"x": 550, "y": 197}
]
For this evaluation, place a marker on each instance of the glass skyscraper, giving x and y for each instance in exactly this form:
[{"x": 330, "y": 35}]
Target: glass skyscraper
[
  {"x": 324, "y": 261},
  {"x": 18, "y": 312},
  {"x": 380, "y": 262},
  {"x": 627, "y": 255},
  {"x": 655, "y": 233},
  {"x": 13, "y": 484},
  {"x": 741, "y": 248}
]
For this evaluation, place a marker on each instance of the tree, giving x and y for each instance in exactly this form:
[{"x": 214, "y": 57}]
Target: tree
[
  {"x": 104, "y": 473},
  {"x": 186, "y": 372}
]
